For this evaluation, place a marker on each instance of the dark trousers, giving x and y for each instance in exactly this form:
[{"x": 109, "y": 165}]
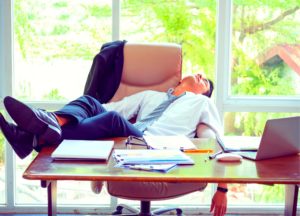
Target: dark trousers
[{"x": 90, "y": 120}]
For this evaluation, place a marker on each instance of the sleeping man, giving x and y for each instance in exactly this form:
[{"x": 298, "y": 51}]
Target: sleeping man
[{"x": 185, "y": 107}]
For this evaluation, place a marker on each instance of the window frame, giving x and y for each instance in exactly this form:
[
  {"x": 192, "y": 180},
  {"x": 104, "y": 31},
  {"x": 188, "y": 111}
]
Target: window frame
[{"x": 225, "y": 102}]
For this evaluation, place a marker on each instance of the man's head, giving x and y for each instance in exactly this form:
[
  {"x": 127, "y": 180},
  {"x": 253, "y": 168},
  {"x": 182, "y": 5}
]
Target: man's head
[{"x": 197, "y": 84}]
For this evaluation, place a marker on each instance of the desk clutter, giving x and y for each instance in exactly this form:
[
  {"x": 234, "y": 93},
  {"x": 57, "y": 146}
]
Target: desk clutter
[
  {"x": 179, "y": 142},
  {"x": 162, "y": 153},
  {"x": 150, "y": 160},
  {"x": 146, "y": 156}
]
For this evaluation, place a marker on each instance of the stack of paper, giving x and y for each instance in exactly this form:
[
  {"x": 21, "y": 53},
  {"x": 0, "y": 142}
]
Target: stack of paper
[
  {"x": 146, "y": 156},
  {"x": 179, "y": 142}
]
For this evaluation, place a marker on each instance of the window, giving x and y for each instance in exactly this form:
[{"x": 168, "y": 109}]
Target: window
[
  {"x": 249, "y": 48},
  {"x": 265, "y": 49},
  {"x": 56, "y": 45},
  {"x": 53, "y": 52},
  {"x": 189, "y": 23}
]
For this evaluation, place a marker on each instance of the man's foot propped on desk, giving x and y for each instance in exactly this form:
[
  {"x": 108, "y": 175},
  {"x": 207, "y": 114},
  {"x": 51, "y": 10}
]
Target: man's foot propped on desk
[
  {"x": 36, "y": 121},
  {"x": 21, "y": 141}
]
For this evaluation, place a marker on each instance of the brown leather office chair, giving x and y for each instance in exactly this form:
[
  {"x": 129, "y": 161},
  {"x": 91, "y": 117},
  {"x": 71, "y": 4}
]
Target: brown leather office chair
[{"x": 155, "y": 67}]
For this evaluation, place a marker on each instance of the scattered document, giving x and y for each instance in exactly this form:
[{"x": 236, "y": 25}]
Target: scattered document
[
  {"x": 83, "y": 150},
  {"x": 146, "y": 156},
  {"x": 179, "y": 142}
]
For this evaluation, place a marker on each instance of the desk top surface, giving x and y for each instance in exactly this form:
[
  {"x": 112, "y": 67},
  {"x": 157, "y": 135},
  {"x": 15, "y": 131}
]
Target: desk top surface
[{"x": 283, "y": 170}]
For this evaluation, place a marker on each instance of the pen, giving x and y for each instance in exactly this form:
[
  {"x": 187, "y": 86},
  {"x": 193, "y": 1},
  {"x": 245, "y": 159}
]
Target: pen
[
  {"x": 214, "y": 155},
  {"x": 198, "y": 151}
]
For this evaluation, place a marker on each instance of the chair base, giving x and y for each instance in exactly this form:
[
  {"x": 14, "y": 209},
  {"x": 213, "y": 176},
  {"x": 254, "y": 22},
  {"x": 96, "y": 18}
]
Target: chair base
[{"x": 145, "y": 210}]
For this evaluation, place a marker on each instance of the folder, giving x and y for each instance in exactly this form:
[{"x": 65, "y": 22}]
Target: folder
[{"x": 146, "y": 156}]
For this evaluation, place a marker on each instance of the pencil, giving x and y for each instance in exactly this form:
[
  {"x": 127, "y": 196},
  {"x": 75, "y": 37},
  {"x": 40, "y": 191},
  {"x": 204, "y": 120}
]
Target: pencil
[{"x": 198, "y": 151}]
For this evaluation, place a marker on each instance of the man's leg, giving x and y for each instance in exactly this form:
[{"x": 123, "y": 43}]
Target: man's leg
[
  {"x": 44, "y": 124},
  {"x": 79, "y": 109},
  {"x": 36, "y": 121},
  {"x": 103, "y": 125},
  {"x": 88, "y": 119}
]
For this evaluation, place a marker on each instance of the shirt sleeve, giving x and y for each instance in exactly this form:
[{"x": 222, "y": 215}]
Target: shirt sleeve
[
  {"x": 211, "y": 118},
  {"x": 129, "y": 106}
]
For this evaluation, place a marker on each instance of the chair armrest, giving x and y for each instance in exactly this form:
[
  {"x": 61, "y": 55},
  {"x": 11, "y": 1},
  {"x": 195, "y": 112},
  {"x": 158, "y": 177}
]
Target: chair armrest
[{"x": 203, "y": 131}]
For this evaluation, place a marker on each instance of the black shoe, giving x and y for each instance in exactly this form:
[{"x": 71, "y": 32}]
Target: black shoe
[
  {"x": 36, "y": 121},
  {"x": 21, "y": 141}
]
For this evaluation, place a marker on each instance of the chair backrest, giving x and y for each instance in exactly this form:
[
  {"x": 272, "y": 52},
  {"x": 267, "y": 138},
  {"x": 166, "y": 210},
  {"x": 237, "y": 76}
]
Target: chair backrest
[
  {"x": 149, "y": 66},
  {"x": 153, "y": 66}
]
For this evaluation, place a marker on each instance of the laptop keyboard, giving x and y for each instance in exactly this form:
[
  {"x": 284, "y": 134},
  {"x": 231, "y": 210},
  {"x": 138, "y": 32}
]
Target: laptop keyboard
[{"x": 247, "y": 154}]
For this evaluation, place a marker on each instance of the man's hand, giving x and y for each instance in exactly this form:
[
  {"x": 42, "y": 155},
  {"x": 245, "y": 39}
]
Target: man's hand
[{"x": 219, "y": 204}]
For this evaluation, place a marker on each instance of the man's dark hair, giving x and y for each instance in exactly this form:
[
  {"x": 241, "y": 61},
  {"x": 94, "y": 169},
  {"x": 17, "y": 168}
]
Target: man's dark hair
[{"x": 211, "y": 89}]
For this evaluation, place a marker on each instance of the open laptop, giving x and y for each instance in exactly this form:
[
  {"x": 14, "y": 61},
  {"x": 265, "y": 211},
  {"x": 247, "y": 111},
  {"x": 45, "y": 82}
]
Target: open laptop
[
  {"x": 281, "y": 137},
  {"x": 83, "y": 150}
]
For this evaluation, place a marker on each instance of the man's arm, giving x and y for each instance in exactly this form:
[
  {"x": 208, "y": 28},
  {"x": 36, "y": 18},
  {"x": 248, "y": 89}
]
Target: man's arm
[
  {"x": 219, "y": 200},
  {"x": 129, "y": 106}
]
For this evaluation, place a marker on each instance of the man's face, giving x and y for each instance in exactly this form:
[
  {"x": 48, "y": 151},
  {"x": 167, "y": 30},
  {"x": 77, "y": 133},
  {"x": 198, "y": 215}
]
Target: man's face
[{"x": 197, "y": 84}]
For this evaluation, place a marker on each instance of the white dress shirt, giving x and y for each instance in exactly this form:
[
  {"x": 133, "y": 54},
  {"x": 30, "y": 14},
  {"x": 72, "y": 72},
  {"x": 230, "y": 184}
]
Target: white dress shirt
[{"x": 181, "y": 117}]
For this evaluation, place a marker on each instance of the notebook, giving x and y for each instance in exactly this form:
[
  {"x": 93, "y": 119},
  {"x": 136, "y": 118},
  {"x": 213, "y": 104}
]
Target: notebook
[
  {"x": 281, "y": 137},
  {"x": 83, "y": 150}
]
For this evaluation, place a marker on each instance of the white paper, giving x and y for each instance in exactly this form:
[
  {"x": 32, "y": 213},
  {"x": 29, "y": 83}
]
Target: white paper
[
  {"x": 179, "y": 142},
  {"x": 241, "y": 142}
]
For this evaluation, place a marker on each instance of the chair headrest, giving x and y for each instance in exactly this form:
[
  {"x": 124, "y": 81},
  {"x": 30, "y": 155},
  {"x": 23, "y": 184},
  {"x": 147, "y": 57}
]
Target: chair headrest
[{"x": 149, "y": 66}]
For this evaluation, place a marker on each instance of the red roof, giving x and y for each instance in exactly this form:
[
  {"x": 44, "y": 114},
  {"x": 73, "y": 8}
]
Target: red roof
[{"x": 289, "y": 53}]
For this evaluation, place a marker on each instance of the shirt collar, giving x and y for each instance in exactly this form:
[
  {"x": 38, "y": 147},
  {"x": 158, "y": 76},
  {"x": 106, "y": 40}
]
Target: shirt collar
[{"x": 170, "y": 93}]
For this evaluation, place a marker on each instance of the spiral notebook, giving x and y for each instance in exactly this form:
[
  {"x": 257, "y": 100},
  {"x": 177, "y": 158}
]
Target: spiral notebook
[{"x": 83, "y": 150}]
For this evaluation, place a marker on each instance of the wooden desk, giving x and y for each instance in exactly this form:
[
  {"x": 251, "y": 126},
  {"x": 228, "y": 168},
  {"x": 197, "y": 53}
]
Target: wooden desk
[{"x": 284, "y": 170}]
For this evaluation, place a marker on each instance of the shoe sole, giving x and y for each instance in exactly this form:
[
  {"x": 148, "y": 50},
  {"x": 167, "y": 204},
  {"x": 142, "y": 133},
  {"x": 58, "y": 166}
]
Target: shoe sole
[
  {"x": 22, "y": 151},
  {"x": 26, "y": 119}
]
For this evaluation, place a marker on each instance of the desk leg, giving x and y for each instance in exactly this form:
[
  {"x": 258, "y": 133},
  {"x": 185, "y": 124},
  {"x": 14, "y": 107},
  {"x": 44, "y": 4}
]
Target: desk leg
[
  {"x": 51, "y": 191},
  {"x": 291, "y": 198}
]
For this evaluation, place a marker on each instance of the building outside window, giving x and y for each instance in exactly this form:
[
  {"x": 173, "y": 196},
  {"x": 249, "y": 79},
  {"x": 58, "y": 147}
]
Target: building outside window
[{"x": 252, "y": 56}]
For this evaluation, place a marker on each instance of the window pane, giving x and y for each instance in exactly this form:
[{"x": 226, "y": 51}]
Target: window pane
[
  {"x": 28, "y": 191},
  {"x": 252, "y": 124},
  {"x": 249, "y": 124},
  {"x": 189, "y": 23},
  {"x": 266, "y": 48},
  {"x": 2, "y": 168},
  {"x": 53, "y": 50}
]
